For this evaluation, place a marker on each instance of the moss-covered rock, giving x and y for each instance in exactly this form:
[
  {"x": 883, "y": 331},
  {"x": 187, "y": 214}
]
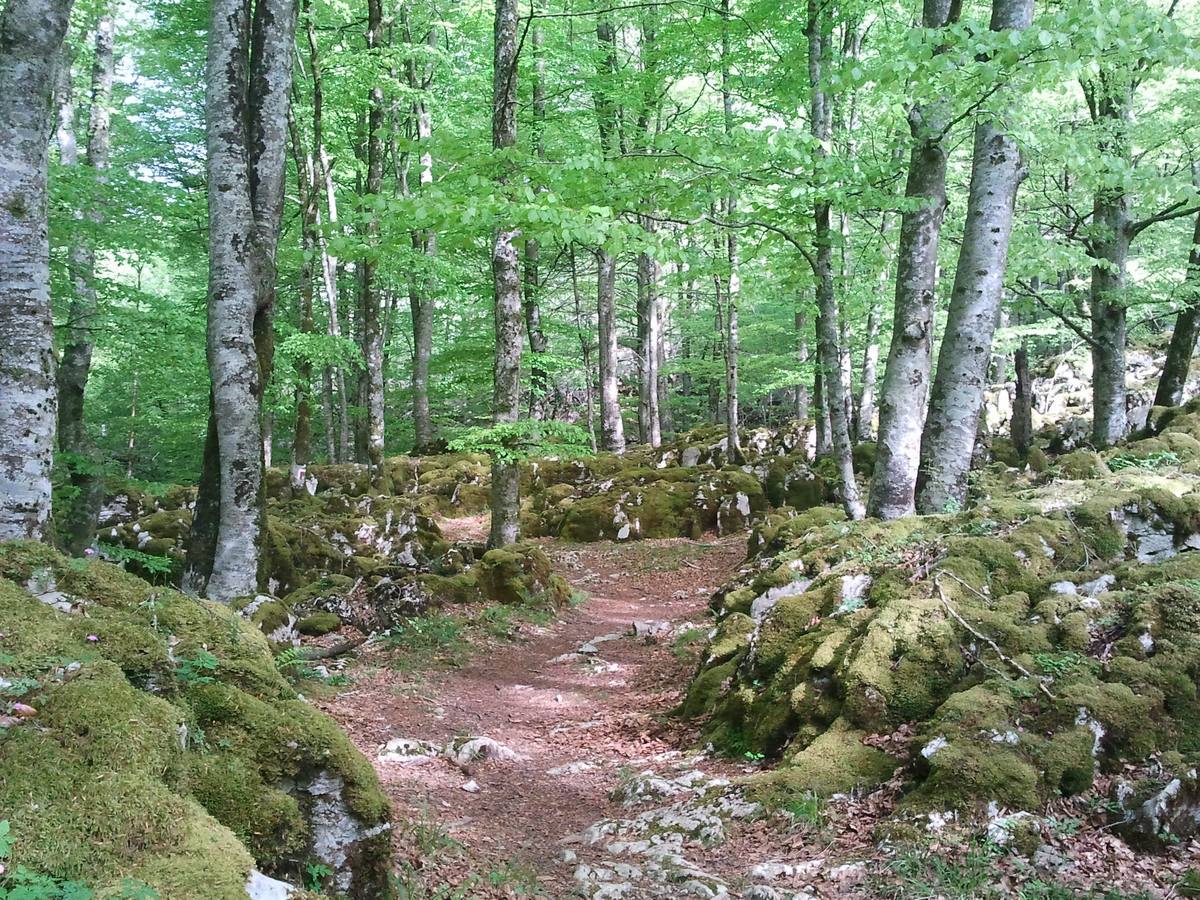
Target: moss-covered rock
[
  {"x": 520, "y": 573},
  {"x": 165, "y": 745}
]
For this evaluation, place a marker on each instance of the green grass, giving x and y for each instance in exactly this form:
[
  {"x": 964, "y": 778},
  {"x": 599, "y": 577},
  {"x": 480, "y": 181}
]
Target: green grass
[{"x": 682, "y": 645}]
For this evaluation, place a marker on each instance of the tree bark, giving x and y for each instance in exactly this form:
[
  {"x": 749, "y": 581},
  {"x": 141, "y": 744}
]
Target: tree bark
[
  {"x": 506, "y": 278},
  {"x": 734, "y": 282},
  {"x": 371, "y": 301},
  {"x": 421, "y": 289},
  {"x": 77, "y": 526},
  {"x": 612, "y": 428},
  {"x": 307, "y": 190},
  {"x": 249, "y": 82},
  {"x": 902, "y": 400},
  {"x": 584, "y": 353},
  {"x": 828, "y": 352},
  {"x": 1187, "y": 328},
  {"x": 539, "y": 382},
  {"x": 801, "y": 388},
  {"x": 1022, "y": 415},
  {"x": 649, "y": 424},
  {"x": 31, "y": 35},
  {"x": 870, "y": 374},
  {"x": 997, "y": 171}
]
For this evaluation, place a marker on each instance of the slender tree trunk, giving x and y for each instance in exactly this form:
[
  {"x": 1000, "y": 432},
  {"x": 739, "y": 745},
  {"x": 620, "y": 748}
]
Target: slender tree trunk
[
  {"x": 870, "y": 374},
  {"x": 666, "y": 418},
  {"x": 249, "y": 82},
  {"x": 997, "y": 171},
  {"x": 584, "y": 352},
  {"x": 506, "y": 277},
  {"x": 371, "y": 301},
  {"x": 828, "y": 353},
  {"x": 31, "y": 35},
  {"x": 307, "y": 189},
  {"x": 824, "y": 436},
  {"x": 649, "y": 341},
  {"x": 801, "y": 388},
  {"x": 1187, "y": 328},
  {"x": 539, "y": 382},
  {"x": 421, "y": 289},
  {"x": 77, "y": 527},
  {"x": 902, "y": 401},
  {"x": 612, "y": 429},
  {"x": 1022, "y": 415},
  {"x": 734, "y": 282}
]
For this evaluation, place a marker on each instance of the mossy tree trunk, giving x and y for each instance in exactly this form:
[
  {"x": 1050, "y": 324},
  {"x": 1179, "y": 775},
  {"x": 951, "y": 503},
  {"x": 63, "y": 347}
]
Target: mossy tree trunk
[
  {"x": 31, "y": 35},
  {"x": 902, "y": 399},
  {"x": 964, "y": 358},
  {"x": 506, "y": 279}
]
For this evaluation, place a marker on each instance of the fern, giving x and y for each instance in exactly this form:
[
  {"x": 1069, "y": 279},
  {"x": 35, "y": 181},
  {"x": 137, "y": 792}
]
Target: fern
[{"x": 289, "y": 658}]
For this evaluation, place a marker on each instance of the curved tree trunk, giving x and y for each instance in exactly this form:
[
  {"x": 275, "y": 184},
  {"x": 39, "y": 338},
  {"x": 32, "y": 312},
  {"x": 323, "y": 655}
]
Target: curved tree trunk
[
  {"x": 902, "y": 399},
  {"x": 1187, "y": 329},
  {"x": 31, "y": 35},
  {"x": 965, "y": 356}
]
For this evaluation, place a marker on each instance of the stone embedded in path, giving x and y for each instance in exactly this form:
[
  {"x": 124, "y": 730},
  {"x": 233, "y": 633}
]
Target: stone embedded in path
[{"x": 408, "y": 752}]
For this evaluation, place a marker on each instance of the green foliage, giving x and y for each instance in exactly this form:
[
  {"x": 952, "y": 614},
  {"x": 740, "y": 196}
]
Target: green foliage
[
  {"x": 1151, "y": 461},
  {"x": 155, "y": 565},
  {"x": 515, "y": 441},
  {"x": 198, "y": 668}
]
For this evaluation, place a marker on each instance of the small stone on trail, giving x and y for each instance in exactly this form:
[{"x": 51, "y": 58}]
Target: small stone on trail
[{"x": 471, "y": 787}]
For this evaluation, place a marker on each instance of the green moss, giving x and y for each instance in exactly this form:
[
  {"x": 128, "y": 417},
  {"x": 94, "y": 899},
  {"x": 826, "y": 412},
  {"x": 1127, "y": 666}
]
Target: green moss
[
  {"x": 520, "y": 573},
  {"x": 1081, "y": 465},
  {"x": 836, "y": 761},
  {"x": 319, "y": 623},
  {"x": 732, "y": 638},
  {"x": 265, "y": 819},
  {"x": 706, "y": 688}
]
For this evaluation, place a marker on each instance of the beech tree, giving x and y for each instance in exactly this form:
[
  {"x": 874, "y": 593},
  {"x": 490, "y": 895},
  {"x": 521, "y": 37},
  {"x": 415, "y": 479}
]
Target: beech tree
[
  {"x": 31, "y": 34},
  {"x": 249, "y": 81}
]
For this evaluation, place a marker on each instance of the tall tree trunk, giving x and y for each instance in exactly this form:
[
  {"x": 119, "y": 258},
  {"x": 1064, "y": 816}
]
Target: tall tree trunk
[
  {"x": 31, "y": 35},
  {"x": 371, "y": 301},
  {"x": 612, "y": 428},
  {"x": 421, "y": 289},
  {"x": 649, "y": 424},
  {"x": 870, "y": 374},
  {"x": 249, "y": 82},
  {"x": 307, "y": 190},
  {"x": 666, "y": 419},
  {"x": 734, "y": 283},
  {"x": 539, "y": 382},
  {"x": 506, "y": 277},
  {"x": 828, "y": 353},
  {"x": 997, "y": 171},
  {"x": 902, "y": 401},
  {"x": 1187, "y": 328},
  {"x": 584, "y": 353},
  {"x": 77, "y": 528}
]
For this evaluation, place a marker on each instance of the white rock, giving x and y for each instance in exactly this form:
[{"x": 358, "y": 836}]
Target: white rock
[
  {"x": 262, "y": 887},
  {"x": 938, "y": 743},
  {"x": 471, "y": 787}
]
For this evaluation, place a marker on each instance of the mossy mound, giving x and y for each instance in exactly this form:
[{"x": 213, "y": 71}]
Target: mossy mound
[
  {"x": 1025, "y": 645},
  {"x": 520, "y": 573},
  {"x": 165, "y": 745}
]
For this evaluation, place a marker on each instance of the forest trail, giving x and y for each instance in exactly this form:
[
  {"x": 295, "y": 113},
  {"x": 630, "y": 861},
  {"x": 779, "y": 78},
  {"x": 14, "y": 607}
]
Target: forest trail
[{"x": 577, "y": 722}]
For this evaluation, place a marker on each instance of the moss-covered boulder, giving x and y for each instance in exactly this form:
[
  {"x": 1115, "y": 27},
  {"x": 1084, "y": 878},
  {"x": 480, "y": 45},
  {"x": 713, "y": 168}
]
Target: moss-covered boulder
[
  {"x": 520, "y": 573},
  {"x": 164, "y": 745}
]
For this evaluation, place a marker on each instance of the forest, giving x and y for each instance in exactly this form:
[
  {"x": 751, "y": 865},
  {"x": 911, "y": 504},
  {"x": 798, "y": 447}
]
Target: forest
[{"x": 599, "y": 448}]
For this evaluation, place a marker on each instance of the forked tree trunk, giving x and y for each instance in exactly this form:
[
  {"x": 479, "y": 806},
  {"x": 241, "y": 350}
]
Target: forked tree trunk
[
  {"x": 31, "y": 35},
  {"x": 506, "y": 278},
  {"x": 249, "y": 81},
  {"x": 965, "y": 356},
  {"x": 902, "y": 400}
]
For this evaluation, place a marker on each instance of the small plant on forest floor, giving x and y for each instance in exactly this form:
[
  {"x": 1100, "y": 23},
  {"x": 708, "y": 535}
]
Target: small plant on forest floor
[
  {"x": 921, "y": 872},
  {"x": 1058, "y": 663},
  {"x": 1151, "y": 461},
  {"x": 683, "y": 642},
  {"x": 315, "y": 874}
]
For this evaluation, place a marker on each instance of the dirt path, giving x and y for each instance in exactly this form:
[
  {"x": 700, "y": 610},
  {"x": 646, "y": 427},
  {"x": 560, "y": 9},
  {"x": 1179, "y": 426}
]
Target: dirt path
[{"x": 577, "y": 722}]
